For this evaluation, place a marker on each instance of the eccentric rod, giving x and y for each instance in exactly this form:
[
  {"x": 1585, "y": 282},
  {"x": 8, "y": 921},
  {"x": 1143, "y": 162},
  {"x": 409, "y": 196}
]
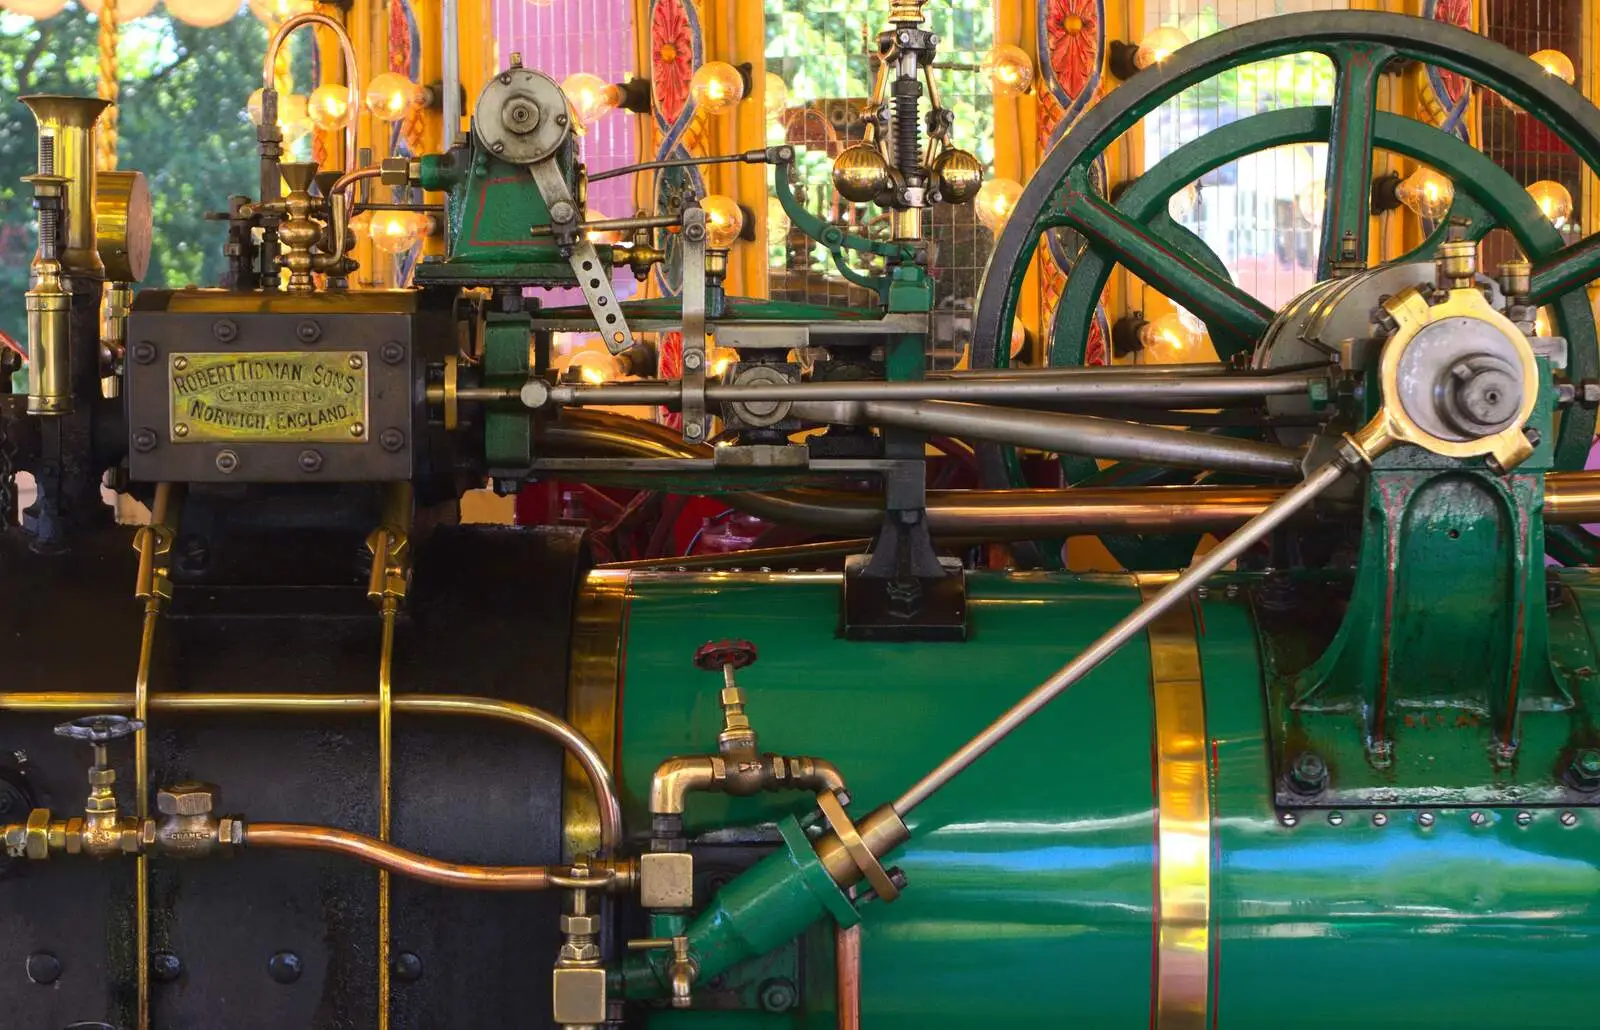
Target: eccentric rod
[{"x": 1134, "y": 623}]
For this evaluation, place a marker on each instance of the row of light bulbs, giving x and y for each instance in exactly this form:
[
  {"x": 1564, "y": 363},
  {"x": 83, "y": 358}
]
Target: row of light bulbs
[
  {"x": 204, "y": 14},
  {"x": 389, "y": 97}
]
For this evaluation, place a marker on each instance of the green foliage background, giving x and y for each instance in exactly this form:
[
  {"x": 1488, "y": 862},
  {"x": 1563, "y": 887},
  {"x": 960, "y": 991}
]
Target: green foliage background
[{"x": 183, "y": 124}]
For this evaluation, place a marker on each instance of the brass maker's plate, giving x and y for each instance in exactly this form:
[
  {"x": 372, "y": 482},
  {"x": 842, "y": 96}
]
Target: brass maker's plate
[{"x": 269, "y": 396}]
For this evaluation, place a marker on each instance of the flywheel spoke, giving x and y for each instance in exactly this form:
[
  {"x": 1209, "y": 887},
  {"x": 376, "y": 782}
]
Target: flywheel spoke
[
  {"x": 1358, "y": 68},
  {"x": 1572, "y": 268},
  {"x": 1228, "y": 311}
]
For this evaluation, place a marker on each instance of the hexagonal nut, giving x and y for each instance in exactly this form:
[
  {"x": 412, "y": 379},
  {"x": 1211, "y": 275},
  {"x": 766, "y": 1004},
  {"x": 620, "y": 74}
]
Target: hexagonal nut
[
  {"x": 1589, "y": 392},
  {"x": 147, "y": 832},
  {"x": 579, "y": 996},
  {"x": 186, "y": 799},
  {"x": 666, "y": 879},
  {"x": 36, "y": 842},
  {"x": 230, "y": 832},
  {"x": 585, "y": 925},
  {"x": 395, "y": 171}
]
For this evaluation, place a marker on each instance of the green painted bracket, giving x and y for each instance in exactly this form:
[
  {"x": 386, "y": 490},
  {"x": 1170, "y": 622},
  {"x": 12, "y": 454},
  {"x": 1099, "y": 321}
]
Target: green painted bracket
[
  {"x": 769, "y": 905},
  {"x": 836, "y": 241},
  {"x": 1442, "y": 671}
]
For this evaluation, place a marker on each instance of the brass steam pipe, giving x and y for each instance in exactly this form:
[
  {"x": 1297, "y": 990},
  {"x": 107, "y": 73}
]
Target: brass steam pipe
[
  {"x": 740, "y": 774},
  {"x": 354, "y": 704},
  {"x": 615, "y": 876},
  {"x": 269, "y": 68}
]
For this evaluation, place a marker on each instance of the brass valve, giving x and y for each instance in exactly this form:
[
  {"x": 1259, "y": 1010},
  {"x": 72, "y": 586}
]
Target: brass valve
[
  {"x": 681, "y": 971},
  {"x": 578, "y": 995}
]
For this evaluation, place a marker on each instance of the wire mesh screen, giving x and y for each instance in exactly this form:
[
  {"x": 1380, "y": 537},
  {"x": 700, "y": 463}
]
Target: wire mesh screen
[
  {"x": 825, "y": 52},
  {"x": 1551, "y": 32},
  {"x": 560, "y": 38},
  {"x": 1261, "y": 214}
]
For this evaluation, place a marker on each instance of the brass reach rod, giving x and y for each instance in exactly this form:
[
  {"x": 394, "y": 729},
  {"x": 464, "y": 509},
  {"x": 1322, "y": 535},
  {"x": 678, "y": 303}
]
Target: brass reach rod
[
  {"x": 389, "y": 858},
  {"x": 354, "y": 704},
  {"x": 1232, "y": 547},
  {"x": 388, "y": 611}
]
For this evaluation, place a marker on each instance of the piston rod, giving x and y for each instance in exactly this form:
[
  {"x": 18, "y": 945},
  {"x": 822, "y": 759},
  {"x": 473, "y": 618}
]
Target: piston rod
[{"x": 1142, "y": 390}]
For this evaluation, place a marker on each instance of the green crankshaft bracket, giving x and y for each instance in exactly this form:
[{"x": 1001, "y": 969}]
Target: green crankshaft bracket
[
  {"x": 1359, "y": 44},
  {"x": 905, "y": 288},
  {"x": 773, "y": 902}
]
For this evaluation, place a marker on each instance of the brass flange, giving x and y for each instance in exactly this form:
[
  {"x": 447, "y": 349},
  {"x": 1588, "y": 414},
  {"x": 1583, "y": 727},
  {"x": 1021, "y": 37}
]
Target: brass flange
[
  {"x": 1455, "y": 335},
  {"x": 850, "y": 853}
]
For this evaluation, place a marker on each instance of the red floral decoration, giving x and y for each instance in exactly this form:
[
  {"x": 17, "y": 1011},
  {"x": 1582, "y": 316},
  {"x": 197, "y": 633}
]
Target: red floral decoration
[
  {"x": 1094, "y": 349},
  {"x": 671, "y": 57},
  {"x": 670, "y": 366},
  {"x": 1072, "y": 28},
  {"x": 1459, "y": 14}
]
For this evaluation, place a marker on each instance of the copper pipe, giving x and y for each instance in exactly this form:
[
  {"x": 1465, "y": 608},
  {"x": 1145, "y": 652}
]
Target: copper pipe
[
  {"x": 349, "y": 179},
  {"x": 354, "y": 704},
  {"x": 397, "y": 860},
  {"x": 847, "y": 975}
]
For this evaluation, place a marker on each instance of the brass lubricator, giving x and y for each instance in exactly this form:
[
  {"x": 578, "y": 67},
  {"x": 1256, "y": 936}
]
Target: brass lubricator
[{"x": 310, "y": 228}]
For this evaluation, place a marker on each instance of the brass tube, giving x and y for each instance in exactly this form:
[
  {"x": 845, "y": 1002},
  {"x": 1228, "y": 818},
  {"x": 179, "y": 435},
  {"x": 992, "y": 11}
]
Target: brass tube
[
  {"x": 389, "y": 610},
  {"x": 269, "y": 66},
  {"x": 389, "y": 858},
  {"x": 354, "y": 704}
]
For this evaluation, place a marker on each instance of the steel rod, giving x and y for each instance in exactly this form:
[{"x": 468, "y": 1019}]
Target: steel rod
[
  {"x": 1135, "y": 622},
  {"x": 1165, "y": 391},
  {"x": 1067, "y": 434}
]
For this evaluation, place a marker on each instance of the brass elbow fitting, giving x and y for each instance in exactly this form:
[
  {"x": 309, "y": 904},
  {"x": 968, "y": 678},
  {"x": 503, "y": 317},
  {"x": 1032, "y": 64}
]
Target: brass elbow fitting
[{"x": 738, "y": 769}]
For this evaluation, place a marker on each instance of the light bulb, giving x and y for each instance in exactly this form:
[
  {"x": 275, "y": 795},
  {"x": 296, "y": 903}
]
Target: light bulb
[
  {"x": 777, "y": 97},
  {"x": 1554, "y": 62},
  {"x": 126, "y": 11},
  {"x": 204, "y": 14},
  {"x": 275, "y": 12},
  {"x": 294, "y": 116},
  {"x": 778, "y": 224},
  {"x": 391, "y": 96},
  {"x": 1541, "y": 323},
  {"x": 1019, "y": 337},
  {"x": 1158, "y": 45},
  {"x": 721, "y": 359},
  {"x": 1182, "y": 203},
  {"x": 1312, "y": 200},
  {"x": 329, "y": 106},
  {"x": 396, "y": 232},
  {"x": 595, "y": 365},
  {"x": 1553, "y": 200},
  {"x": 1010, "y": 70},
  {"x": 37, "y": 9},
  {"x": 724, "y": 221},
  {"x": 361, "y": 226},
  {"x": 997, "y": 198},
  {"x": 1168, "y": 340},
  {"x": 602, "y": 236},
  {"x": 590, "y": 96},
  {"x": 716, "y": 86},
  {"x": 1427, "y": 193}
]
